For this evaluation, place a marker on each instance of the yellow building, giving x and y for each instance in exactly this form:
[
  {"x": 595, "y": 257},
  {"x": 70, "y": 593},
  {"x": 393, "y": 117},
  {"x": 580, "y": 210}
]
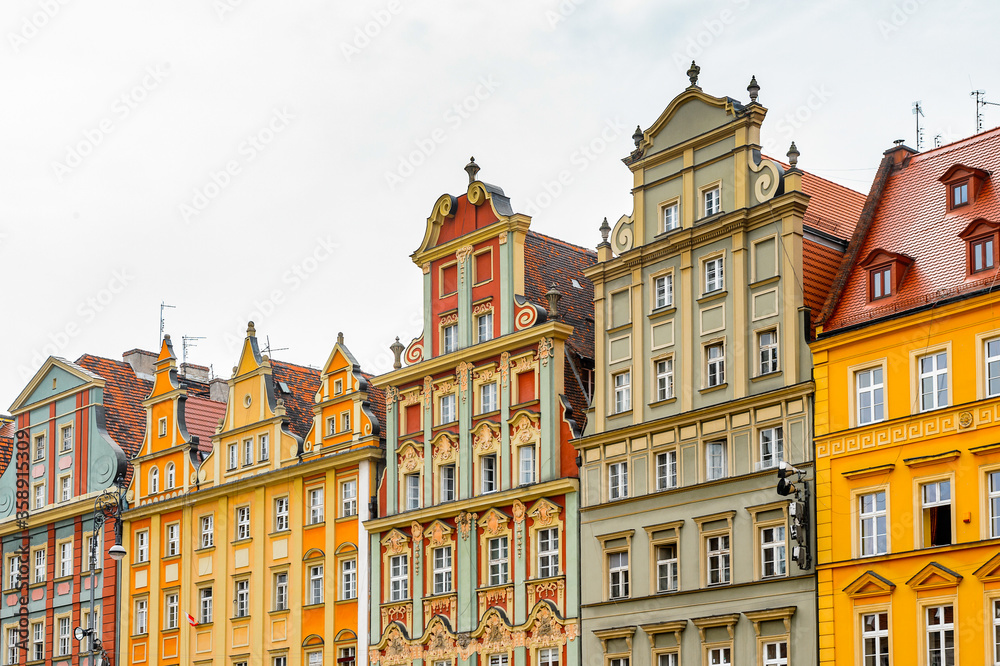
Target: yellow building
[
  {"x": 246, "y": 551},
  {"x": 907, "y": 368}
]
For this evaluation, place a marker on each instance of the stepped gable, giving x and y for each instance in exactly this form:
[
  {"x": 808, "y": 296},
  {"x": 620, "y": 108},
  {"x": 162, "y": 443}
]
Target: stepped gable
[
  {"x": 303, "y": 383},
  {"x": 911, "y": 218}
]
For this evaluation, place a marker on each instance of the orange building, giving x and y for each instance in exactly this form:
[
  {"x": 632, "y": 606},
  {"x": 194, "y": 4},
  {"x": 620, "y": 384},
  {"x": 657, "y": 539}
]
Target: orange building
[
  {"x": 907, "y": 368},
  {"x": 244, "y": 538}
]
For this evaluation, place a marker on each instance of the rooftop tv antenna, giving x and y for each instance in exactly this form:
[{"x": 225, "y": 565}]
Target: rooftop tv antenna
[
  {"x": 918, "y": 111},
  {"x": 186, "y": 342},
  {"x": 267, "y": 346},
  {"x": 163, "y": 305},
  {"x": 980, "y": 96}
]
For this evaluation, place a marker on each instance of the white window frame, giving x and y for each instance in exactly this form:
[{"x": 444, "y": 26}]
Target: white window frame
[
  {"x": 618, "y": 480},
  {"x": 316, "y": 573},
  {"x": 447, "y": 407},
  {"x": 936, "y": 397},
  {"x": 233, "y": 459},
  {"x": 281, "y": 591},
  {"x": 449, "y": 338},
  {"x": 667, "y": 567},
  {"x": 548, "y": 552},
  {"x": 442, "y": 563},
  {"x": 171, "y": 607},
  {"x": 399, "y": 577},
  {"x": 498, "y": 560},
  {"x": 716, "y": 460},
  {"x": 316, "y": 505},
  {"x": 776, "y": 659},
  {"x": 65, "y": 488},
  {"x": 715, "y": 274},
  {"x": 715, "y": 366},
  {"x": 142, "y": 546},
  {"x": 767, "y": 351},
  {"x": 412, "y": 487},
  {"x": 993, "y": 503},
  {"x": 39, "y": 568},
  {"x": 663, "y": 291},
  {"x": 242, "y": 523},
  {"x": 991, "y": 367},
  {"x": 173, "y": 540},
  {"x": 169, "y": 476},
  {"x": 205, "y": 605},
  {"x": 618, "y": 574},
  {"x": 666, "y": 469},
  {"x": 484, "y": 327},
  {"x": 878, "y": 519},
  {"x": 526, "y": 464},
  {"x": 248, "y": 452},
  {"x": 664, "y": 369},
  {"x": 878, "y": 636},
  {"x": 623, "y": 391},
  {"x": 154, "y": 480},
  {"x": 141, "y": 618},
  {"x": 718, "y": 559},
  {"x": 207, "y": 525},
  {"x": 712, "y": 200},
  {"x": 773, "y": 551},
  {"x": 940, "y": 487},
  {"x": 447, "y": 474},
  {"x": 349, "y": 579},
  {"x": 771, "y": 447},
  {"x": 263, "y": 447},
  {"x": 281, "y": 514},
  {"x": 66, "y": 438},
  {"x": 65, "y": 559},
  {"x": 488, "y": 398},
  {"x": 241, "y": 599},
  {"x": 349, "y": 498},
  {"x": 488, "y": 474},
  {"x": 941, "y": 629},
  {"x": 874, "y": 391},
  {"x": 65, "y": 632}
]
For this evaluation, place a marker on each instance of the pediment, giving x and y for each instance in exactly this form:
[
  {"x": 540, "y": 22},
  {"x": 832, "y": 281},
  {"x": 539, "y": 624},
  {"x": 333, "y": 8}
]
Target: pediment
[
  {"x": 495, "y": 522},
  {"x": 340, "y": 358},
  {"x": 880, "y": 256},
  {"x": 960, "y": 171},
  {"x": 934, "y": 576},
  {"x": 989, "y": 572},
  {"x": 438, "y": 533},
  {"x": 869, "y": 584},
  {"x": 544, "y": 512},
  {"x": 690, "y": 114},
  {"x": 395, "y": 541},
  {"x": 453, "y": 217},
  {"x": 979, "y": 227},
  {"x": 68, "y": 376}
]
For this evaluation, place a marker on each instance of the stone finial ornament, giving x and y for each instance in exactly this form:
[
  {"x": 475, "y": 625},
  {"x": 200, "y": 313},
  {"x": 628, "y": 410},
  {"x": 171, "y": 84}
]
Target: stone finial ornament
[
  {"x": 251, "y": 331},
  {"x": 605, "y": 230},
  {"x": 472, "y": 169},
  {"x": 637, "y": 136},
  {"x": 753, "y": 89},
  {"x": 397, "y": 349},
  {"x": 693, "y": 73},
  {"x": 793, "y": 156},
  {"x": 553, "y": 295},
  {"x": 340, "y": 338}
]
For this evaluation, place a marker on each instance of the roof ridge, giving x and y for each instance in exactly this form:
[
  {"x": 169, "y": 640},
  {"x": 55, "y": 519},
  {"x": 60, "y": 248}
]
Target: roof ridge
[
  {"x": 296, "y": 365},
  {"x": 813, "y": 174},
  {"x": 578, "y": 248},
  {"x": 954, "y": 145}
]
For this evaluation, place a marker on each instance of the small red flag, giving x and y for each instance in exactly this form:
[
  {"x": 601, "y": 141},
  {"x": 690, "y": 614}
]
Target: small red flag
[{"x": 191, "y": 620}]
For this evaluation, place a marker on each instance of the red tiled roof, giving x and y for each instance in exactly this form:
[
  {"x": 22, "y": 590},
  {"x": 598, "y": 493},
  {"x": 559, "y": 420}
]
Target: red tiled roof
[
  {"x": 303, "y": 383},
  {"x": 201, "y": 416},
  {"x": 125, "y": 417},
  {"x": 819, "y": 266},
  {"x": 6, "y": 442},
  {"x": 833, "y": 208},
  {"x": 911, "y": 218},
  {"x": 376, "y": 398}
]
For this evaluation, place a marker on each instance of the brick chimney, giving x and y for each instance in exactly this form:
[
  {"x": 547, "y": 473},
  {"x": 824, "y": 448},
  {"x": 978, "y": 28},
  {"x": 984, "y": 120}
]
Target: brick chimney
[
  {"x": 198, "y": 373},
  {"x": 143, "y": 362}
]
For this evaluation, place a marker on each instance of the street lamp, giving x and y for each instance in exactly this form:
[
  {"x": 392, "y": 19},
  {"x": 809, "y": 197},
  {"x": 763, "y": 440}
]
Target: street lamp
[{"x": 108, "y": 506}]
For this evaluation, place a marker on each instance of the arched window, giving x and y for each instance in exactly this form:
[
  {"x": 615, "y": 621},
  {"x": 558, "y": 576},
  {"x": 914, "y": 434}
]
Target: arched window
[
  {"x": 168, "y": 481},
  {"x": 154, "y": 480}
]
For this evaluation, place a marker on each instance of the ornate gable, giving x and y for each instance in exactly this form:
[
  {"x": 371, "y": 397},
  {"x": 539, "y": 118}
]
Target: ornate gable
[
  {"x": 933, "y": 577},
  {"x": 869, "y": 584},
  {"x": 989, "y": 572}
]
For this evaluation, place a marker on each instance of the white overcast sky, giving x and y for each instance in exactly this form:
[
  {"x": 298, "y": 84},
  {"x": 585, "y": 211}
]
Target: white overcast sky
[{"x": 119, "y": 115}]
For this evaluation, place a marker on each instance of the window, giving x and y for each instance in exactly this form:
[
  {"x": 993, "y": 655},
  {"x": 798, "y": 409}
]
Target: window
[
  {"x": 960, "y": 195},
  {"x": 154, "y": 480},
  {"x": 13, "y": 637},
  {"x": 994, "y": 508},
  {"x": 933, "y": 381},
  {"x": 715, "y": 356},
  {"x": 331, "y": 426},
  {"x": 315, "y": 505},
  {"x": 280, "y": 514},
  {"x": 772, "y": 551},
  {"x": 996, "y": 631},
  {"x": 67, "y": 438},
  {"x": 338, "y": 386},
  {"x": 717, "y": 548},
  {"x": 264, "y": 447},
  {"x": 880, "y": 280},
  {"x": 941, "y": 636},
  {"x": 983, "y": 254},
  {"x": 772, "y": 447},
  {"x": 38, "y": 641},
  {"x": 141, "y": 607},
  {"x": 65, "y": 488},
  {"x": 142, "y": 546},
  {"x": 666, "y": 470},
  {"x": 450, "y": 336},
  {"x": 349, "y": 579},
  {"x": 242, "y": 523},
  {"x": 279, "y": 661},
  {"x": 14, "y": 573},
  {"x": 345, "y": 421},
  {"x": 412, "y": 491},
  {"x": 875, "y": 639},
  {"x": 162, "y": 426},
  {"x": 242, "y": 600},
  {"x": 715, "y": 278},
  {"x": 993, "y": 368},
  {"x": 548, "y": 657},
  {"x": 39, "y": 495},
  {"x": 498, "y": 560},
  {"x": 871, "y": 396},
  {"x": 247, "y": 452},
  {"x": 345, "y": 657},
  {"x": 618, "y": 480},
  {"x": 715, "y": 460},
  {"x": 667, "y": 659},
  {"x": 205, "y": 605},
  {"x": 712, "y": 201},
  {"x": 936, "y": 498},
  {"x": 666, "y": 568},
  {"x": 281, "y": 591},
  {"x": 767, "y": 347},
  {"x": 64, "y": 636},
  {"x": 484, "y": 324},
  {"x": 776, "y": 654},
  {"x": 663, "y": 290},
  {"x": 66, "y": 558},
  {"x": 448, "y": 408},
  {"x": 618, "y": 661},
  {"x": 173, "y": 540},
  {"x": 618, "y": 575},
  {"x": 447, "y": 473},
  {"x": 671, "y": 217},
  {"x": 623, "y": 392},
  {"x": 399, "y": 578},
  {"x": 442, "y": 570},
  {"x": 349, "y": 498},
  {"x": 208, "y": 531},
  {"x": 548, "y": 552},
  {"x": 872, "y": 514},
  {"x": 170, "y": 606},
  {"x": 489, "y": 473},
  {"x": 665, "y": 379},
  {"x": 526, "y": 457},
  {"x": 233, "y": 456},
  {"x": 40, "y": 447},
  {"x": 498, "y": 660},
  {"x": 169, "y": 477},
  {"x": 488, "y": 398},
  {"x": 90, "y": 542},
  {"x": 39, "y": 565},
  {"x": 316, "y": 584}
]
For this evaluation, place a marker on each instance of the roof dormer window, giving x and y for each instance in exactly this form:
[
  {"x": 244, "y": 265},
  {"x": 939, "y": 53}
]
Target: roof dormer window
[
  {"x": 960, "y": 194},
  {"x": 885, "y": 273},
  {"x": 963, "y": 184},
  {"x": 983, "y": 242}
]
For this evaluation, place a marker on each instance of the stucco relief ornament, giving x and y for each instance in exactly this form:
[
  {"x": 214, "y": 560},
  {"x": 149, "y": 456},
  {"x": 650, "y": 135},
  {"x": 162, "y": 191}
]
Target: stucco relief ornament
[
  {"x": 444, "y": 450},
  {"x": 391, "y": 396},
  {"x": 461, "y": 255},
  {"x": 486, "y": 439},
  {"x": 494, "y": 523},
  {"x": 449, "y": 319},
  {"x": 525, "y": 430},
  {"x": 503, "y": 237},
  {"x": 463, "y": 377},
  {"x": 428, "y": 390},
  {"x": 518, "y": 511},
  {"x": 396, "y": 542},
  {"x": 426, "y": 268},
  {"x": 544, "y": 350},
  {"x": 965, "y": 419},
  {"x": 410, "y": 461},
  {"x": 437, "y": 535},
  {"x": 544, "y": 513},
  {"x": 417, "y": 533},
  {"x": 464, "y": 521},
  {"x": 505, "y": 368}
]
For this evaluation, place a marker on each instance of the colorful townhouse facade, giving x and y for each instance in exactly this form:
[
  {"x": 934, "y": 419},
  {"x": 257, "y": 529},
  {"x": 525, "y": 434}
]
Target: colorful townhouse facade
[
  {"x": 474, "y": 551},
  {"x": 702, "y": 303},
  {"x": 907, "y": 365},
  {"x": 245, "y": 537},
  {"x": 73, "y": 428}
]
